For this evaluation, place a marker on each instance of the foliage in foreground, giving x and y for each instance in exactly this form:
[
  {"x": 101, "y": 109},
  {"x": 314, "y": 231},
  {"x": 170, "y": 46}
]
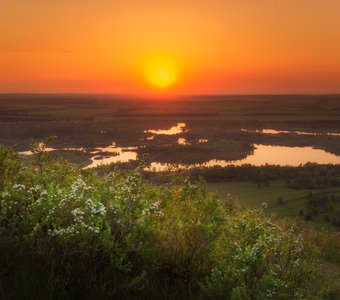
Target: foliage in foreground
[{"x": 66, "y": 233}]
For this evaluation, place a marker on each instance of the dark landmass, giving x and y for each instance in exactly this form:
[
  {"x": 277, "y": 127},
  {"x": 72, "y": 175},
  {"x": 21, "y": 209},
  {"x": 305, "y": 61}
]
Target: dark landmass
[{"x": 98, "y": 120}]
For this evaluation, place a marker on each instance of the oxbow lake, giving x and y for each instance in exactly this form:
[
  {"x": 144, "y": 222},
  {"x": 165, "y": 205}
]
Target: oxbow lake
[{"x": 264, "y": 154}]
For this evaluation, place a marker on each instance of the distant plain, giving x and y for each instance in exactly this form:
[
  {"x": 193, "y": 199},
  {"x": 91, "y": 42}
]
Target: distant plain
[{"x": 228, "y": 125}]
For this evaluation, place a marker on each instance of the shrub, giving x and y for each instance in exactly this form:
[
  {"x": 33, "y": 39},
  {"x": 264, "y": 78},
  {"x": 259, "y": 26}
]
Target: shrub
[{"x": 67, "y": 233}]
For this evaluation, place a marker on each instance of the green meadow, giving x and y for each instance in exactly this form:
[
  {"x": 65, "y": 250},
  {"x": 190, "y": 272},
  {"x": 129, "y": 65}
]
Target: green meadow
[{"x": 250, "y": 195}]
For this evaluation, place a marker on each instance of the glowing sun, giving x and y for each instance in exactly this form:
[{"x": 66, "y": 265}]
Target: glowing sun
[{"x": 161, "y": 71}]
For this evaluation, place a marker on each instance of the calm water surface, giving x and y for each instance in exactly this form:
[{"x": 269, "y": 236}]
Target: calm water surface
[
  {"x": 121, "y": 154},
  {"x": 274, "y": 131},
  {"x": 262, "y": 155}
]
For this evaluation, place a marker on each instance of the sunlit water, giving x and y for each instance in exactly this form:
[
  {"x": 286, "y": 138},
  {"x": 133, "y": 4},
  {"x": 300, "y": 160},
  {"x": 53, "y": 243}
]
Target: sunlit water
[
  {"x": 29, "y": 152},
  {"x": 179, "y": 128},
  {"x": 182, "y": 141},
  {"x": 174, "y": 130},
  {"x": 46, "y": 149},
  {"x": 122, "y": 154},
  {"x": 262, "y": 155},
  {"x": 202, "y": 141},
  {"x": 274, "y": 131},
  {"x": 101, "y": 155}
]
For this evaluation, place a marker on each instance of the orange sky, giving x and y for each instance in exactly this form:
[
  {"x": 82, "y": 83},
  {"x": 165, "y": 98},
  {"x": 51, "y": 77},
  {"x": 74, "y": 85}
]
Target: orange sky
[{"x": 230, "y": 46}]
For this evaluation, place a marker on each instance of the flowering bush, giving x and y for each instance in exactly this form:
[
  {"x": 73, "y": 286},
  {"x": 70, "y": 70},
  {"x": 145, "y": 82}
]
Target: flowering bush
[
  {"x": 262, "y": 259},
  {"x": 67, "y": 233}
]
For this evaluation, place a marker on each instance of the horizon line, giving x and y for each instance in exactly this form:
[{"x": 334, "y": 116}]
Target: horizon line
[{"x": 170, "y": 94}]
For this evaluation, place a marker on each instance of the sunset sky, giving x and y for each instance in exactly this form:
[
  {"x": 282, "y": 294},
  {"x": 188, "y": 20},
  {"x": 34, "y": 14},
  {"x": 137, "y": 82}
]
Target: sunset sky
[{"x": 177, "y": 46}]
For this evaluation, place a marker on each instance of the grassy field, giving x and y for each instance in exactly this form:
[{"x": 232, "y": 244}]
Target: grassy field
[{"x": 249, "y": 195}]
